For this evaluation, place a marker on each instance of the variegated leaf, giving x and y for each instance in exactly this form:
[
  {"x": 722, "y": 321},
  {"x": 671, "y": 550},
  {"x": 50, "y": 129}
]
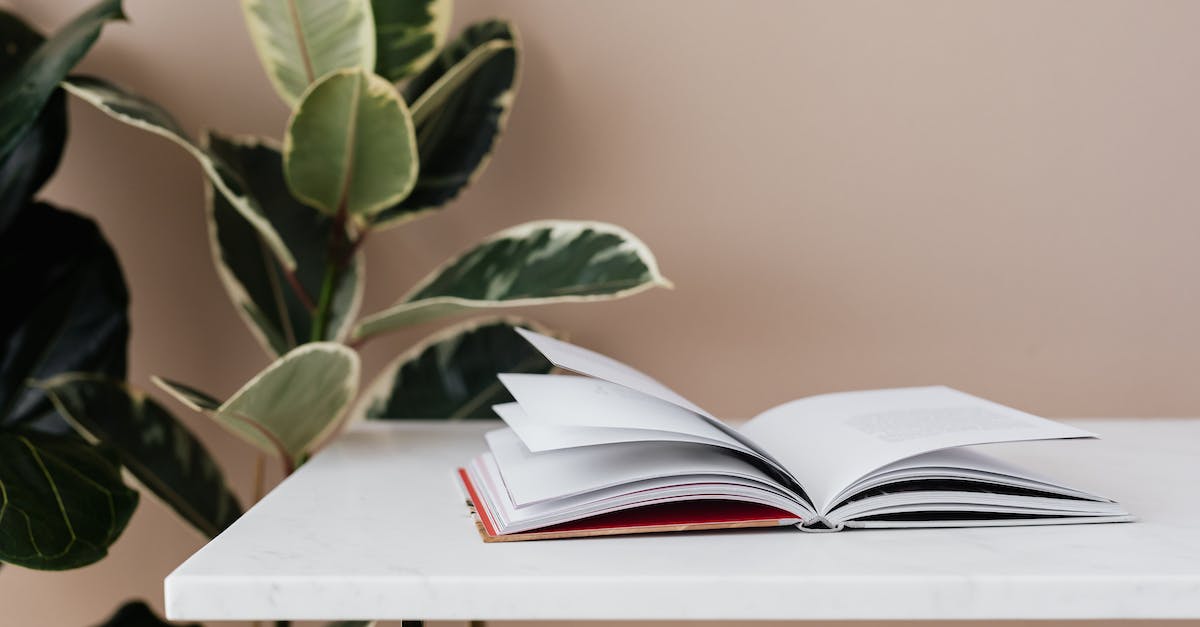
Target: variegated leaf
[
  {"x": 408, "y": 35},
  {"x": 300, "y": 41},
  {"x": 452, "y": 374},
  {"x": 256, "y": 283},
  {"x": 350, "y": 146},
  {"x": 460, "y": 105},
  {"x": 141, "y": 113},
  {"x": 288, "y": 407},
  {"x": 158, "y": 449},
  {"x": 537, "y": 263}
]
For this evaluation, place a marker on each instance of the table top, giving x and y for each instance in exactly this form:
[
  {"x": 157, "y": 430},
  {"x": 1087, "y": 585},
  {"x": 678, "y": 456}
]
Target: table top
[{"x": 375, "y": 527}]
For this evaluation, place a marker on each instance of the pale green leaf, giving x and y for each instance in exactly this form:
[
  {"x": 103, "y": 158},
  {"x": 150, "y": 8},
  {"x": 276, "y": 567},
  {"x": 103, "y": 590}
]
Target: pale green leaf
[
  {"x": 408, "y": 35},
  {"x": 537, "y": 263},
  {"x": 288, "y": 407},
  {"x": 256, "y": 283},
  {"x": 300, "y": 41},
  {"x": 158, "y": 449},
  {"x": 452, "y": 374},
  {"x": 350, "y": 146},
  {"x": 460, "y": 106},
  {"x": 141, "y": 113}
]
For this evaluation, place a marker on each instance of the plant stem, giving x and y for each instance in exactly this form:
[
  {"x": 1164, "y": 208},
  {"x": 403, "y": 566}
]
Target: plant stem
[
  {"x": 301, "y": 294},
  {"x": 322, "y": 312},
  {"x": 333, "y": 265}
]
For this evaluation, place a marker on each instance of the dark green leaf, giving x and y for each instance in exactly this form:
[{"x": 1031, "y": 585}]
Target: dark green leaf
[
  {"x": 158, "y": 449},
  {"x": 20, "y": 40},
  {"x": 64, "y": 501},
  {"x": 139, "y": 112},
  {"x": 537, "y": 263},
  {"x": 453, "y": 373},
  {"x": 67, "y": 310},
  {"x": 35, "y": 157},
  {"x": 26, "y": 90},
  {"x": 255, "y": 281},
  {"x": 460, "y": 104},
  {"x": 408, "y": 34},
  {"x": 138, "y": 614}
]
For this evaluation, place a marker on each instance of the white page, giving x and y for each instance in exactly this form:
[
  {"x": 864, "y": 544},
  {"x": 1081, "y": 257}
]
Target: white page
[
  {"x": 568, "y": 401},
  {"x": 593, "y": 364},
  {"x": 485, "y": 474},
  {"x": 833, "y": 440},
  {"x": 962, "y": 461},
  {"x": 535, "y": 477},
  {"x": 539, "y": 436},
  {"x": 583, "y": 361}
]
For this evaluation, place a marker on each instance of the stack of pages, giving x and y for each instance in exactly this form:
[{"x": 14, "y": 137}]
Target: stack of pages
[{"x": 616, "y": 452}]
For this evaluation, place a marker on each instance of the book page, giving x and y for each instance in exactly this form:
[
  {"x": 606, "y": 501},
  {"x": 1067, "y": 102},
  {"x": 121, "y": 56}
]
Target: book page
[
  {"x": 539, "y": 436},
  {"x": 536, "y": 477},
  {"x": 570, "y": 401},
  {"x": 583, "y": 361},
  {"x": 562, "y": 411},
  {"x": 830, "y": 441}
]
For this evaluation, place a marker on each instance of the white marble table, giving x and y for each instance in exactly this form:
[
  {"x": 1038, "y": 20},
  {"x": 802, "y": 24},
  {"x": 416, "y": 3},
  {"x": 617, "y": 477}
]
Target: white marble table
[{"x": 375, "y": 527}]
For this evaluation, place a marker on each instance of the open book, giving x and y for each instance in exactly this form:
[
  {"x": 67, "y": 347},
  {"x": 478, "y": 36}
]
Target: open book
[{"x": 616, "y": 452}]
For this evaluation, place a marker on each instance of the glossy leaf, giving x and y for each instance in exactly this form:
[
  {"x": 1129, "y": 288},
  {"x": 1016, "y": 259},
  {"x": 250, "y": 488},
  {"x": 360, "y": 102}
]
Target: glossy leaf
[
  {"x": 25, "y": 91},
  {"x": 300, "y": 41},
  {"x": 35, "y": 156},
  {"x": 288, "y": 407},
  {"x": 33, "y": 161},
  {"x": 350, "y": 146},
  {"x": 551, "y": 261},
  {"x": 68, "y": 310},
  {"x": 20, "y": 40},
  {"x": 158, "y": 449},
  {"x": 64, "y": 501},
  {"x": 408, "y": 35},
  {"x": 256, "y": 283},
  {"x": 138, "y": 614},
  {"x": 453, "y": 373},
  {"x": 460, "y": 105},
  {"x": 141, "y": 113}
]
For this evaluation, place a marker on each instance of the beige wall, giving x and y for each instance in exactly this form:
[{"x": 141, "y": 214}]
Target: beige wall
[{"x": 1000, "y": 196}]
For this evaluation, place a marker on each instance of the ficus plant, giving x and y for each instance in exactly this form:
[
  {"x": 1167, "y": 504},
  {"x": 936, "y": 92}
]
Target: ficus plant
[{"x": 390, "y": 121}]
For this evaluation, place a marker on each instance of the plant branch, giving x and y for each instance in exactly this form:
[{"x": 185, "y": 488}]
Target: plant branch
[
  {"x": 301, "y": 293},
  {"x": 334, "y": 257},
  {"x": 321, "y": 316}
]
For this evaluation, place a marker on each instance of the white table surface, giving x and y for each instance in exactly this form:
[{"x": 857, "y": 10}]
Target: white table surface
[{"x": 375, "y": 527}]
